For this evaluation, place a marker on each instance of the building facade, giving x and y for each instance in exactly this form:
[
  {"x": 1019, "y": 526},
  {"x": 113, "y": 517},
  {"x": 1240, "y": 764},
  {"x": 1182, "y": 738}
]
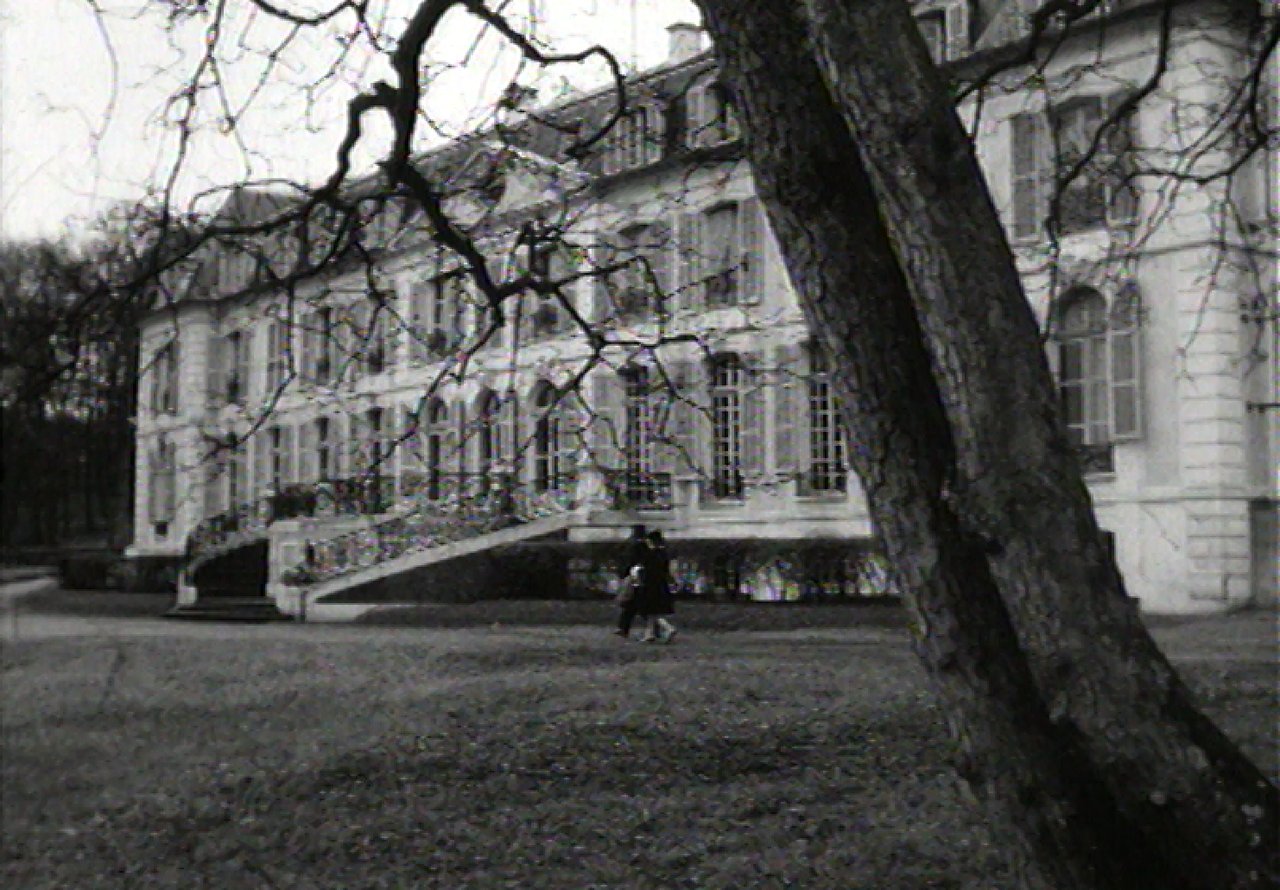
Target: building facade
[{"x": 334, "y": 416}]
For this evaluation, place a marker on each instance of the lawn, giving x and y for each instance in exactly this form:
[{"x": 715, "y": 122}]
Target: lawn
[{"x": 303, "y": 757}]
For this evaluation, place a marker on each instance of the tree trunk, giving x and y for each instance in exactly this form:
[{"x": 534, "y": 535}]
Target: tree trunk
[{"x": 1070, "y": 723}]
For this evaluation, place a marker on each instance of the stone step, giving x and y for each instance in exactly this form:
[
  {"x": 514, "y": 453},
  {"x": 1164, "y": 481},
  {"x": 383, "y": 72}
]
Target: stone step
[{"x": 228, "y": 608}]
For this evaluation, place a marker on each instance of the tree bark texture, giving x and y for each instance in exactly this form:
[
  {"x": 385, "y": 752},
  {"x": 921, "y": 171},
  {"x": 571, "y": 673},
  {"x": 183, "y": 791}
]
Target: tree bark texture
[{"x": 1070, "y": 723}]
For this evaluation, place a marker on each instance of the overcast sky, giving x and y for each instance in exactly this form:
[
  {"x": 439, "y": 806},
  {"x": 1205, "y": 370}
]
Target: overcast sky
[{"x": 82, "y": 119}]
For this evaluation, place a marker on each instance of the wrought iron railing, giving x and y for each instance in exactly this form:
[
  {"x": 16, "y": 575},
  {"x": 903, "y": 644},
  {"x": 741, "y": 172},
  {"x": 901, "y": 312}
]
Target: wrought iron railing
[
  {"x": 630, "y": 490},
  {"x": 476, "y": 505}
]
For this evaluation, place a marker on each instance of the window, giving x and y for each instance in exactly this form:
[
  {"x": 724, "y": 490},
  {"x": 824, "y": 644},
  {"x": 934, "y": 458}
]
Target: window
[
  {"x": 728, "y": 377},
  {"x": 438, "y": 316},
  {"x": 635, "y": 140},
  {"x": 827, "y": 472},
  {"x": 237, "y": 367},
  {"x": 319, "y": 346},
  {"x": 945, "y": 27},
  {"x": 324, "y": 449},
  {"x": 278, "y": 457},
  {"x": 552, "y": 465},
  {"x": 488, "y": 433},
  {"x": 165, "y": 379},
  {"x": 437, "y": 448},
  {"x": 1098, "y": 371},
  {"x": 551, "y": 262},
  {"x": 237, "y": 476},
  {"x": 1100, "y": 193},
  {"x": 637, "y": 288},
  {"x": 163, "y": 486},
  {"x": 720, "y": 254},
  {"x": 933, "y": 28},
  {"x": 1031, "y": 182},
  {"x": 277, "y": 356},
  {"x": 710, "y": 118}
]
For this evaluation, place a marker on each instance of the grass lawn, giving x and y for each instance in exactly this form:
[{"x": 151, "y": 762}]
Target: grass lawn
[{"x": 290, "y": 756}]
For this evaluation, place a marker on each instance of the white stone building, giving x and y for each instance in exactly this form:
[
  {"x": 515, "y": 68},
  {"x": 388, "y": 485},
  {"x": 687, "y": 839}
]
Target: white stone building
[{"x": 360, "y": 462}]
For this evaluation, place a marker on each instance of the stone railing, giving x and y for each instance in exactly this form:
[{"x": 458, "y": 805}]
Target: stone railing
[{"x": 476, "y": 506}]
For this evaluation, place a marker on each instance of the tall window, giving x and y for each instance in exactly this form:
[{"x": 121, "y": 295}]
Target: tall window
[
  {"x": 1098, "y": 371},
  {"x": 642, "y": 252},
  {"x": 488, "y": 432},
  {"x": 237, "y": 367},
  {"x": 638, "y": 431},
  {"x": 277, "y": 356},
  {"x": 278, "y": 457},
  {"x": 163, "y": 485},
  {"x": 728, "y": 378},
  {"x": 320, "y": 345},
  {"x": 165, "y": 379},
  {"x": 826, "y": 430},
  {"x": 721, "y": 255},
  {"x": 1098, "y": 194},
  {"x": 438, "y": 316},
  {"x": 551, "y": 262},
  {"x": 437, "y": 450},
  {"x": 324, "y": 449},
  {"x": 237, "y": 476},
  {"x": 551, "y": 469}
]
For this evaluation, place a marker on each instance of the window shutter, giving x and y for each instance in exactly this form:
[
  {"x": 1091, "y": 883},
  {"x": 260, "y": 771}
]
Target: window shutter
[
  {"x": 1029, "y": 167},
  {"x": 957, "y": 28},
  {"x": 1122, "y": 198},
  {"x": 1124, "y": 359},
  {"x": 753, "y": 424},
  {"x": 791, "y": 413},
  {"x": 754, "y": 231}
]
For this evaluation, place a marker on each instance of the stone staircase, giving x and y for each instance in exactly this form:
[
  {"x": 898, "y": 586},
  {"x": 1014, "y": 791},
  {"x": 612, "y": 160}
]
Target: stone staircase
[
  {"x": 427, "y": 533},
  {"x": 231, "y": 585}
]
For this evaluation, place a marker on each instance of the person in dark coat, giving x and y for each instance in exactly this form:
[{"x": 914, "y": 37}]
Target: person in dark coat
[
  {"x": 657, "y": 600},
  {"x": 629, "y": 574}
]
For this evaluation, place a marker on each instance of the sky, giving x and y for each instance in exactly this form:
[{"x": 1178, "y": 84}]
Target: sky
[{"x": 85, "y": 120}]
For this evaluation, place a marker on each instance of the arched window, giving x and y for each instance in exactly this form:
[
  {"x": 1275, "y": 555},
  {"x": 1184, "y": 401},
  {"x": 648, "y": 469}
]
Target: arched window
[
  {"x": 1099, "y": 365},
  {"x": 728, "y": 380}
]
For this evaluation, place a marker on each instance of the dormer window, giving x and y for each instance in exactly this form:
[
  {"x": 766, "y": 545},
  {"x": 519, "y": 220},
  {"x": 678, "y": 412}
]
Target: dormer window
[
  {"x": 946, "y": 26},
  {"x": 710, "y": 118},
  {"x": 635, "y": 140}
]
